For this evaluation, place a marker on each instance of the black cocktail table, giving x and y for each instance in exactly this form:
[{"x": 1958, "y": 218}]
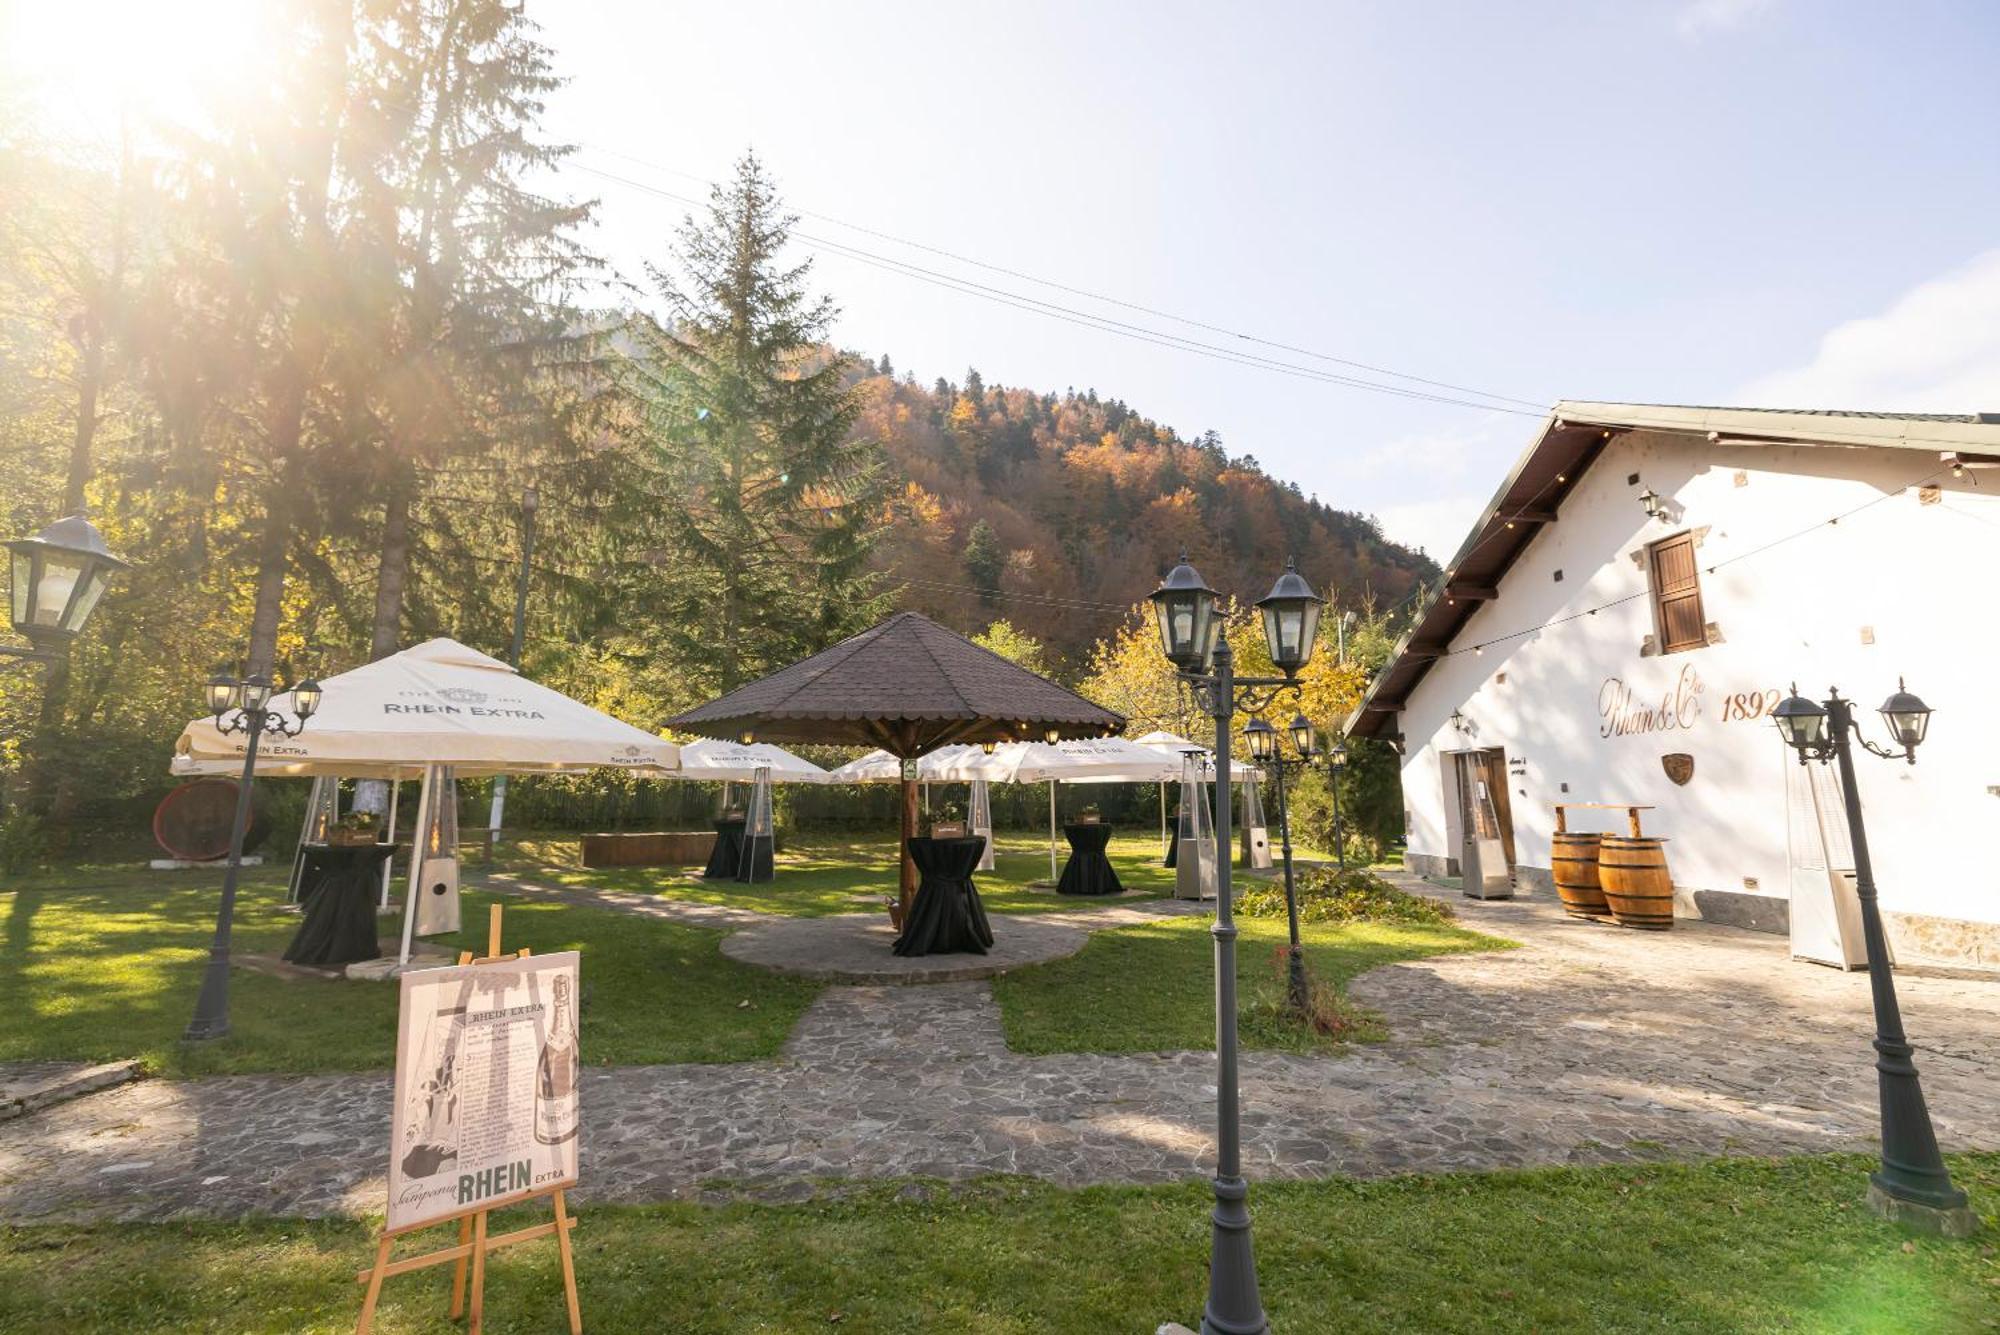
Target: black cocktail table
[
  {"x": 726, "y": 857},
  {"x": 339, "y": 924},
  {"x": 946, "y": 917},
  {"x": 1088, "y": 871}
]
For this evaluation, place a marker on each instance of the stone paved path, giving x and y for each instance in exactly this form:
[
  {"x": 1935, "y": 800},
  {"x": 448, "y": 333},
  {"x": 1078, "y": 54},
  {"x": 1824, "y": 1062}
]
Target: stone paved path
[{"x": 1590, "y": 1044}]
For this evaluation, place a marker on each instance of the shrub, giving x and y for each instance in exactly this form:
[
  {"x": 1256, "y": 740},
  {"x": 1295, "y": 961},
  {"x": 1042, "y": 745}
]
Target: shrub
[{"x": 1329, "y": 895}]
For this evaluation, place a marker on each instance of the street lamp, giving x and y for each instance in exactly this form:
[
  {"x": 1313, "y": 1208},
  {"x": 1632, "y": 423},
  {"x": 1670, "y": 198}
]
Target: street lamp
[
  {"x": 1912, "y": 1186},
  {"x": 1191, "y": 636},
  {"x": 1336, "y": 764},
  {"x": 58, "y": 576},
  {"x": 240, "y": 704},
  {"x": 1263, "y": 739}
]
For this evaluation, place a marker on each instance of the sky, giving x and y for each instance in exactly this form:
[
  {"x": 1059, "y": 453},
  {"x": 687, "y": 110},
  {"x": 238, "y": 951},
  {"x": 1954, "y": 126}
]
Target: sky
[{"x": 1785, "y": 203}]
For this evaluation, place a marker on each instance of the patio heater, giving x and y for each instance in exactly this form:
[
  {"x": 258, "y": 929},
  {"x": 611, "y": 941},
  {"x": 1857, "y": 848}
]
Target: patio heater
[{"x": 758, "y": 831}]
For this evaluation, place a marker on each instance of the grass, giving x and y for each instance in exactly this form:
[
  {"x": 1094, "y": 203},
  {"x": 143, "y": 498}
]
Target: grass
[
  {"x": 1737, "y": 1245},
  {"x": 99, "y": 964},
  {"x": 1151, "y": 988},
  {"x": 816, "y": 876}
]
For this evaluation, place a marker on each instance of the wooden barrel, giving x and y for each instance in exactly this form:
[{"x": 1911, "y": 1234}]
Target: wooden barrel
[
  {"x": 193, "y": 821},
  {"x": 1574, "y": 862},
  {"x": 1636, "y": 884}
]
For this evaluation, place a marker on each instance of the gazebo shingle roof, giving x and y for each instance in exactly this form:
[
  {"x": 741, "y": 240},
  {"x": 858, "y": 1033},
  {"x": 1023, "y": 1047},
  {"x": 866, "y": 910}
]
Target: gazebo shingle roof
[{"x": 907, "y": 685}]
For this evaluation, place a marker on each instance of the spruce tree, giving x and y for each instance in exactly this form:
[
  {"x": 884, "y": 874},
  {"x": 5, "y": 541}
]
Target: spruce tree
[{"x": 771, "y": 506}]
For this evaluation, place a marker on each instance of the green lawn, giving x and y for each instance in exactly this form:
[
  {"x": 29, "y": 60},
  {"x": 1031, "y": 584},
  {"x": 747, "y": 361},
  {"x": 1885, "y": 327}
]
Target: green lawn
[
  {"x": 818, "y": 875},
  {"x": 1151, "y": 988},
  {"x": 98, "y": 964},
  {"x": 1740, "y": 1245}
]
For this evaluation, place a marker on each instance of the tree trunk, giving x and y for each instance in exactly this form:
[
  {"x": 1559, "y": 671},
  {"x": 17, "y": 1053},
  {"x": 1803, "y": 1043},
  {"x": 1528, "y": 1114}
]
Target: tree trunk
[{"x": 393, "y": 573}]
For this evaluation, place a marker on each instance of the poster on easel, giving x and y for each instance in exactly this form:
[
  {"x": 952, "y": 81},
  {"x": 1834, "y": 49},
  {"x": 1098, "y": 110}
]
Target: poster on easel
[{"x": 486, "y": 1108}]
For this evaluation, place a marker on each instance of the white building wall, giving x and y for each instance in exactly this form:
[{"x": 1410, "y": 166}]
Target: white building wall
[{"x": 1899, "y": 588}]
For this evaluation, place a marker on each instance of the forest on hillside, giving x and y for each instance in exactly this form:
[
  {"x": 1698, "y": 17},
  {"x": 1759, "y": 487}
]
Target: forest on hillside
[
  {"x": 1060, "y": 511},
  {"x": 315, "y": 365}
]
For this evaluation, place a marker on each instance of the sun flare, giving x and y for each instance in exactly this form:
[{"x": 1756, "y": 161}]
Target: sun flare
[{"x": 79, "y": 66}]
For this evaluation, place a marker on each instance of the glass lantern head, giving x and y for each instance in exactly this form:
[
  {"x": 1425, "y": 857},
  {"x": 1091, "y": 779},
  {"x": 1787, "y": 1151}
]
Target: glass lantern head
[
  {"x": 306, "y": 697},
  {"x": 1337, "y": 757},
  {"x": 256, "y": 692},
  {"x": 1908, "y": 718},
  {"x": 1801, "y": 722},
  {"x": 1262, "y": 737},
  {"x": 1303, "y": 735},
  {"x": 58, "y": 576},
  {"x": 1185, "y": 606},
  {"x": 224, "y": 693},
  {"x": 1291, "y": 619}
]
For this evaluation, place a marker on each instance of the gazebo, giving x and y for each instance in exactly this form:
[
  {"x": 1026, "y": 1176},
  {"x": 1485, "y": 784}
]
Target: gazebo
[{"x": 907, "y": 686}]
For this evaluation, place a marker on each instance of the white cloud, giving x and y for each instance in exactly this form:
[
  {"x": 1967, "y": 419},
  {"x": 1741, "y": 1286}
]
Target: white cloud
[
  {"x": 1437, "y": 526},
  {"x": 1699, "y": 18},
  {"x": 1935, "y": 349}
]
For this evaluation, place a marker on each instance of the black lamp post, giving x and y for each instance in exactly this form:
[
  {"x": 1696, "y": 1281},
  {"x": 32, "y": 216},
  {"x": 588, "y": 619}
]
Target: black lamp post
[
  {"x": 1912, "y": 1186},
  {"x": 240, "y": 704},
  {"x": 1191, "y": 635},
  {"x": 57, "y": 577},
  {"x": 1336, "y": 764},
  {"x": 1264, "y": 748}
]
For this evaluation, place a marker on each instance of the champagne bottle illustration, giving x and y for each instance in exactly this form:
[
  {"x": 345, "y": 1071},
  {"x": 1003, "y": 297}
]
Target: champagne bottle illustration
[{"x": 556, "y": 1116}]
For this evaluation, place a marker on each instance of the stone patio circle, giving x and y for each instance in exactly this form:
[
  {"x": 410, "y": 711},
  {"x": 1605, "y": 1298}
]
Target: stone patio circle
[{"x": 854, "y": 948}]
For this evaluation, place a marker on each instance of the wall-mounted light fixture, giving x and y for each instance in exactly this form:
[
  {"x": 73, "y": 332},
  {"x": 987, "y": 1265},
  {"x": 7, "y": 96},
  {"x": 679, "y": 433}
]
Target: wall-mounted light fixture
[{"x": 1652, "y": 503}]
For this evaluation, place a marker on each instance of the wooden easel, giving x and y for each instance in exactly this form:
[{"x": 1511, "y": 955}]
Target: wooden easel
[{"x": 473, "y": 1241}]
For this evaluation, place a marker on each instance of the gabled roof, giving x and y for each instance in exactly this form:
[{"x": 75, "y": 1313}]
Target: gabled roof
[
  {"x": 1569, "y": 441},
  {"x": 907, "y": 685}
]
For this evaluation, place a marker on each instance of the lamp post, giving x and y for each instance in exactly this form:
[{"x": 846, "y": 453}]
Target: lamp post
[
  {"x": 1336, "y": 765},
  {"x": 1264, "y": 749},
  {"x": 1192, "y": 638},
  {"x": 57, "y": 578},
  {"x": 240, "y": 704},
  {"x": 1912, "y": 1186}
]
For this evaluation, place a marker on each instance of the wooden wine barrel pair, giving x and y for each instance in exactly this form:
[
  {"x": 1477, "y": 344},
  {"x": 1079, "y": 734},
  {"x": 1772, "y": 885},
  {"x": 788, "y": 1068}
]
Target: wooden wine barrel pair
[{"x": 1623, "y": 877}]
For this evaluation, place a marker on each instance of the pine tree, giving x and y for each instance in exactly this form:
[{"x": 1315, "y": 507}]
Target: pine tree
[
  {"x": 984, "y": 561},
  {"x": 771, "y": 509}
]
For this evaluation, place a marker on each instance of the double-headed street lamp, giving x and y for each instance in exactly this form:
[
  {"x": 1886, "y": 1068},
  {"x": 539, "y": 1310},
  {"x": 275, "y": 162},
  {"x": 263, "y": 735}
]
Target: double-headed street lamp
[
  {"x": 240, "y": 704},
  {"x": 1191, "y": 634},
  {"x": 57, "y": 577},
  {"x": 1912, "y": 1185}
]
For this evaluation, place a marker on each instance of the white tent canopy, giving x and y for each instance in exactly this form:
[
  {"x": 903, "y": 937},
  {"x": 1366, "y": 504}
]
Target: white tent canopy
[
  {"x": 435, "y": 711},
  {"x": 437, "y": 703},
  {"x": 947, "y": 764},
  {"x": 736, "y": 762}
]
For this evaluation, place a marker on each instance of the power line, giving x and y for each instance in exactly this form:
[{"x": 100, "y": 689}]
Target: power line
[
  {"x": 1085, "y": 319},
  {"x": 1051, "y": 283}
]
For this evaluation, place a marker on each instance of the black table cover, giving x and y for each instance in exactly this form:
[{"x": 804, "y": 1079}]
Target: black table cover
[
  {"x": 727, "y": 855},
  {"x": 339, "y": 924},
  {"x": 946, "y": 917},
  {"x": 1174, "y": 840},
  {"x": 1088, "y": 871}
]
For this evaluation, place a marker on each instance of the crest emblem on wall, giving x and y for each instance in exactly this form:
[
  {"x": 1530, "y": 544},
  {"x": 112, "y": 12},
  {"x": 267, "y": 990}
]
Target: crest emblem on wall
[{"x": 1679, "y": 766}]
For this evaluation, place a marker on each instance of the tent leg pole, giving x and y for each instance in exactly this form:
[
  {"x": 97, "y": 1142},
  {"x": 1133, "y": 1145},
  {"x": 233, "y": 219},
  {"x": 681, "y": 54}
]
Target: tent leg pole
[
  {"x": 906, "y": 889},
  {"x": 389, "y": 863},
  {"x": 1053, "y": 875},
  {"x": 416, "y": 863}
]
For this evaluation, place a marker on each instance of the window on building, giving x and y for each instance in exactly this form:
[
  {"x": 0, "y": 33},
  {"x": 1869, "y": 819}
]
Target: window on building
[{"x": 1677, "y": 594}]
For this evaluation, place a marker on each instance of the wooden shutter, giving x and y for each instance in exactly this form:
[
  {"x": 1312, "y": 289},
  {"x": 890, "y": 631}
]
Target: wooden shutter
[{"x": 1677, "y": 595}]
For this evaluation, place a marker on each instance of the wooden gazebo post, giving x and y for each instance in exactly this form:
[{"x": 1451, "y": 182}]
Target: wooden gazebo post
[{"x": 907, "y": 885}]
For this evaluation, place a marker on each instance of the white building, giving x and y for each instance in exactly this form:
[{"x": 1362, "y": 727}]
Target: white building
[{"x": 1581, "y": 649}]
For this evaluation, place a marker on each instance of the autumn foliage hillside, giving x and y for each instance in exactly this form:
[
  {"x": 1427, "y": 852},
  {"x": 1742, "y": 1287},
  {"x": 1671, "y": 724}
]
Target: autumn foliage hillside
[{"x": 1060, "y": 511}]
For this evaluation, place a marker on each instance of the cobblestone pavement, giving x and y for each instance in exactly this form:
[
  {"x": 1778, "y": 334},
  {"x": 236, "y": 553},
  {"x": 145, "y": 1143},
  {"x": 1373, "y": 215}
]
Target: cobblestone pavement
[{"x": 1589, "y": 1044}]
